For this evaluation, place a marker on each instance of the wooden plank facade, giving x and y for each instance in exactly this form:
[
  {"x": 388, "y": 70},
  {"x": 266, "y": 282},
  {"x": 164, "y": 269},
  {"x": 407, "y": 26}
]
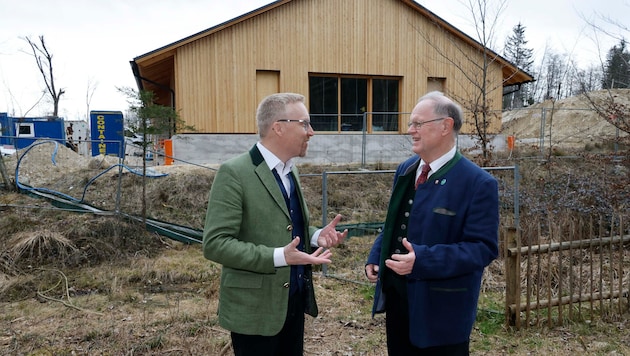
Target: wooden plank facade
[{"x": 216, "y": 78}]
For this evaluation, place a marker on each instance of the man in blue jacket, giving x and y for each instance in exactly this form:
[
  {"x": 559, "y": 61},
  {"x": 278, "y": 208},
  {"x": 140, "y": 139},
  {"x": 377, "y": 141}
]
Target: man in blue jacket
[{"x": 440, "y": 232}]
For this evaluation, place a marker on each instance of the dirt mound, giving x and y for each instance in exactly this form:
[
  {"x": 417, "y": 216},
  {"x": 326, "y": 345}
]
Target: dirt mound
[
  {"x": 569, "y": 123},
  {"x": 44, "y": 162}
]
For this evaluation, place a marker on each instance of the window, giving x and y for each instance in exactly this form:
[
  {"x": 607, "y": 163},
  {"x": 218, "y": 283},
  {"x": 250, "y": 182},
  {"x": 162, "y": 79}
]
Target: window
[
  {"x": 25, "y": 130},
  {"x": 323, "y": 101},
  {"x": 353, "y": 103},
  {"x": 338, "y": 103},
  {"x": 385, "y": 100}
]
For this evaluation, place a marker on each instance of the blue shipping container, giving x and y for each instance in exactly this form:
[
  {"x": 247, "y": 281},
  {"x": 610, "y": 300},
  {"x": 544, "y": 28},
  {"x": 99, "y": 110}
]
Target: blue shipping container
[
  {"x": 107, "y": 134},
  {"x": 20, "y": 132}
]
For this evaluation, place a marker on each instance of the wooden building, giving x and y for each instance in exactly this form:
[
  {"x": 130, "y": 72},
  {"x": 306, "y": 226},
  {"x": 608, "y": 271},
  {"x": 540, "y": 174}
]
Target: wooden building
[{"x": 348, "y": 57}]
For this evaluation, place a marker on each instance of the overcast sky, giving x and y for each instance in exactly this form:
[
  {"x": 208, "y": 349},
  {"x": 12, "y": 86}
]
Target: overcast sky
[{"x": 92, "y": 42}]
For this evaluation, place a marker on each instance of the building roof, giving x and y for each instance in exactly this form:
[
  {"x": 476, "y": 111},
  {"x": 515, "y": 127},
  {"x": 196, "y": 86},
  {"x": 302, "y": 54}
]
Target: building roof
[{"x": 156, "y": 67}]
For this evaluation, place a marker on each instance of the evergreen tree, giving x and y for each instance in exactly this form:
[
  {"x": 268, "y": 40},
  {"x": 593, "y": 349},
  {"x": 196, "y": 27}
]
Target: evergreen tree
[
  {"x": 150, "y": 120},
  {"x": 518, "y": 54},
  {"x": 617, "y": 67}
]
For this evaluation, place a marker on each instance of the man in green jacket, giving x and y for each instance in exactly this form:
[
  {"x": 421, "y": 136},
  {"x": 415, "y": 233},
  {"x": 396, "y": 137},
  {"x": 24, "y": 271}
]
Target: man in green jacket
[{"x": 257, "y": 227}]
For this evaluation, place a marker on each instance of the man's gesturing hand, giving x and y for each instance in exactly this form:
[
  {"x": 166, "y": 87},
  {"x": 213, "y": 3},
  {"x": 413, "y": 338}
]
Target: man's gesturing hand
[
  {"x": 293, "y": 256},
  {"x": 329, "y": 236}
]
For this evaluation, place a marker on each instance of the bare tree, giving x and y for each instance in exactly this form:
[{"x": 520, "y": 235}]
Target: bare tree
[
  {"x": 44, "y": 58},
  {"x": 89, "y": 93},
  {"x": 610, "y": 108},
  {"x": 589, "y": 79},
  {"x": 592, "y": 78},
  {"x": 554, "y": 73},
  {"x": 476, "y": 100}
]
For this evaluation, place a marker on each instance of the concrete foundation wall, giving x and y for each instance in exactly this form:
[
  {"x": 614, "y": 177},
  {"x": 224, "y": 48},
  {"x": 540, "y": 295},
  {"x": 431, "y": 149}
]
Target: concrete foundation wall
[{"x": 323, "y": 149}]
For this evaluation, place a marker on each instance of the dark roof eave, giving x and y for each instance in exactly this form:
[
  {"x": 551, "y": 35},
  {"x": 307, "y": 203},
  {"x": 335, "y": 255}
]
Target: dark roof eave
[{"x": 136, "y": 74}]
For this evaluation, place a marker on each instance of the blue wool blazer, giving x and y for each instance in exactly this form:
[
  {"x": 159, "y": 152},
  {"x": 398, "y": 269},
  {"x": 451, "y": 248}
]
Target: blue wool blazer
[{"x": 453, "y": 227}]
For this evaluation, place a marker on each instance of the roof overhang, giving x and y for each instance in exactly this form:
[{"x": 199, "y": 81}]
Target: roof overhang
[{"x": 154, "y": 70}]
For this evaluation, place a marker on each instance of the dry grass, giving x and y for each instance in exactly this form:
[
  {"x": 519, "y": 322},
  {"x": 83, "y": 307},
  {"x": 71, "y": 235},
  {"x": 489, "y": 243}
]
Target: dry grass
[
  {"x": 43, "y": 246},
  {"x": 84, "y": 284},
  {"x": 167, "y": 305}
]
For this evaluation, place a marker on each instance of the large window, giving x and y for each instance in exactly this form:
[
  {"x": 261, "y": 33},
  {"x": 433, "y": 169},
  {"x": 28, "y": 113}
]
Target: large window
[{"x": 338, "y": 103}]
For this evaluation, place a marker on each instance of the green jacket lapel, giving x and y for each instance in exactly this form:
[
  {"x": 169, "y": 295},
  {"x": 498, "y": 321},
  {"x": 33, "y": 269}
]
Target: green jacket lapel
[
  {"x": 267, "y": 179},
  {"x": 398, "y": 194}
]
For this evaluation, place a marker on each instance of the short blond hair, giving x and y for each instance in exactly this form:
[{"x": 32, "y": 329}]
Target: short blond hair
[{"x": 271, "y": 109}]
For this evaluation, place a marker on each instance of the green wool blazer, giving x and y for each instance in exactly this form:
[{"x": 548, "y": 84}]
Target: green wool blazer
[{"x": 247, "y": 217}]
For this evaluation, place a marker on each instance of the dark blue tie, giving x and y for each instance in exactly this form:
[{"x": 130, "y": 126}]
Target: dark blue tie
[
  {"x": 297, "y": 221},
  {"x": 284, "y": 191}
]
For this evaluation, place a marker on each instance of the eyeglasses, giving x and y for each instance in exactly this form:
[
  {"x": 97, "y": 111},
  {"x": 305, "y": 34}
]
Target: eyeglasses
[
  {"x": 305, "y": 123},
  {"x": 418, "y": 125}
]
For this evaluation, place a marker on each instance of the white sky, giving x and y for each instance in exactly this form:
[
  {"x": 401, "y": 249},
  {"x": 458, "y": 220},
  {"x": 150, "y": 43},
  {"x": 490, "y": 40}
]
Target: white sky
[{"x": 93, "y": 41}]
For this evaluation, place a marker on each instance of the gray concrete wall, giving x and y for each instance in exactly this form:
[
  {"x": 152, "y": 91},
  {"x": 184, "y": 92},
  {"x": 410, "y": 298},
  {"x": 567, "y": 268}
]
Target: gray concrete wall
[{"x": 323, "y": 149}]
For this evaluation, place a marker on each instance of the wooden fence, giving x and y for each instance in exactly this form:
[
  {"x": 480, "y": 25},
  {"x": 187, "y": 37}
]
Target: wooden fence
[{"x": 576, "y": 270}]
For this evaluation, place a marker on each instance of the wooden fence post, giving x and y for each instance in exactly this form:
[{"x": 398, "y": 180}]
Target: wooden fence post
[{"x": 512, "y": 278}]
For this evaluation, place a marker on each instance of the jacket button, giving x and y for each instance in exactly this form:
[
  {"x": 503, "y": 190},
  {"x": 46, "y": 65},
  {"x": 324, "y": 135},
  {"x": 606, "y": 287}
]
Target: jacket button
[
  {"x": 289, "y": 227},
  {"x": 286, "y": 285}
]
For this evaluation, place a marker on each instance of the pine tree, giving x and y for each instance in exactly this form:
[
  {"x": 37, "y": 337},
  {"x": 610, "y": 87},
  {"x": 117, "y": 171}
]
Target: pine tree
[
  {"x": 617, "y": 67},
  {"x": 150, "y": 120},
  {"x": 518, "y": 54}
]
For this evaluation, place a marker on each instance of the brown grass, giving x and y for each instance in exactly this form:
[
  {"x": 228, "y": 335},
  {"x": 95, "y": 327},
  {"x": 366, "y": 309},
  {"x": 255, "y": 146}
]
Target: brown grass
[
  {"x": 85, "y": 284},
  {"x": 41, "y": 247}
]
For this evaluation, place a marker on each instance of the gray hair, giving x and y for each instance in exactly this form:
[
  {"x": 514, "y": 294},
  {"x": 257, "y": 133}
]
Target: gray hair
[
  {"x": 443, "y": 106},
  {"x": 271, "y": 109}
]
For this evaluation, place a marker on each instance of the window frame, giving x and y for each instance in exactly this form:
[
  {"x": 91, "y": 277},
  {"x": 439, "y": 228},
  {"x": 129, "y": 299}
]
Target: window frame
[
  {"x": 19, "y": 125},
  {"x": 339, "y": 115}
]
